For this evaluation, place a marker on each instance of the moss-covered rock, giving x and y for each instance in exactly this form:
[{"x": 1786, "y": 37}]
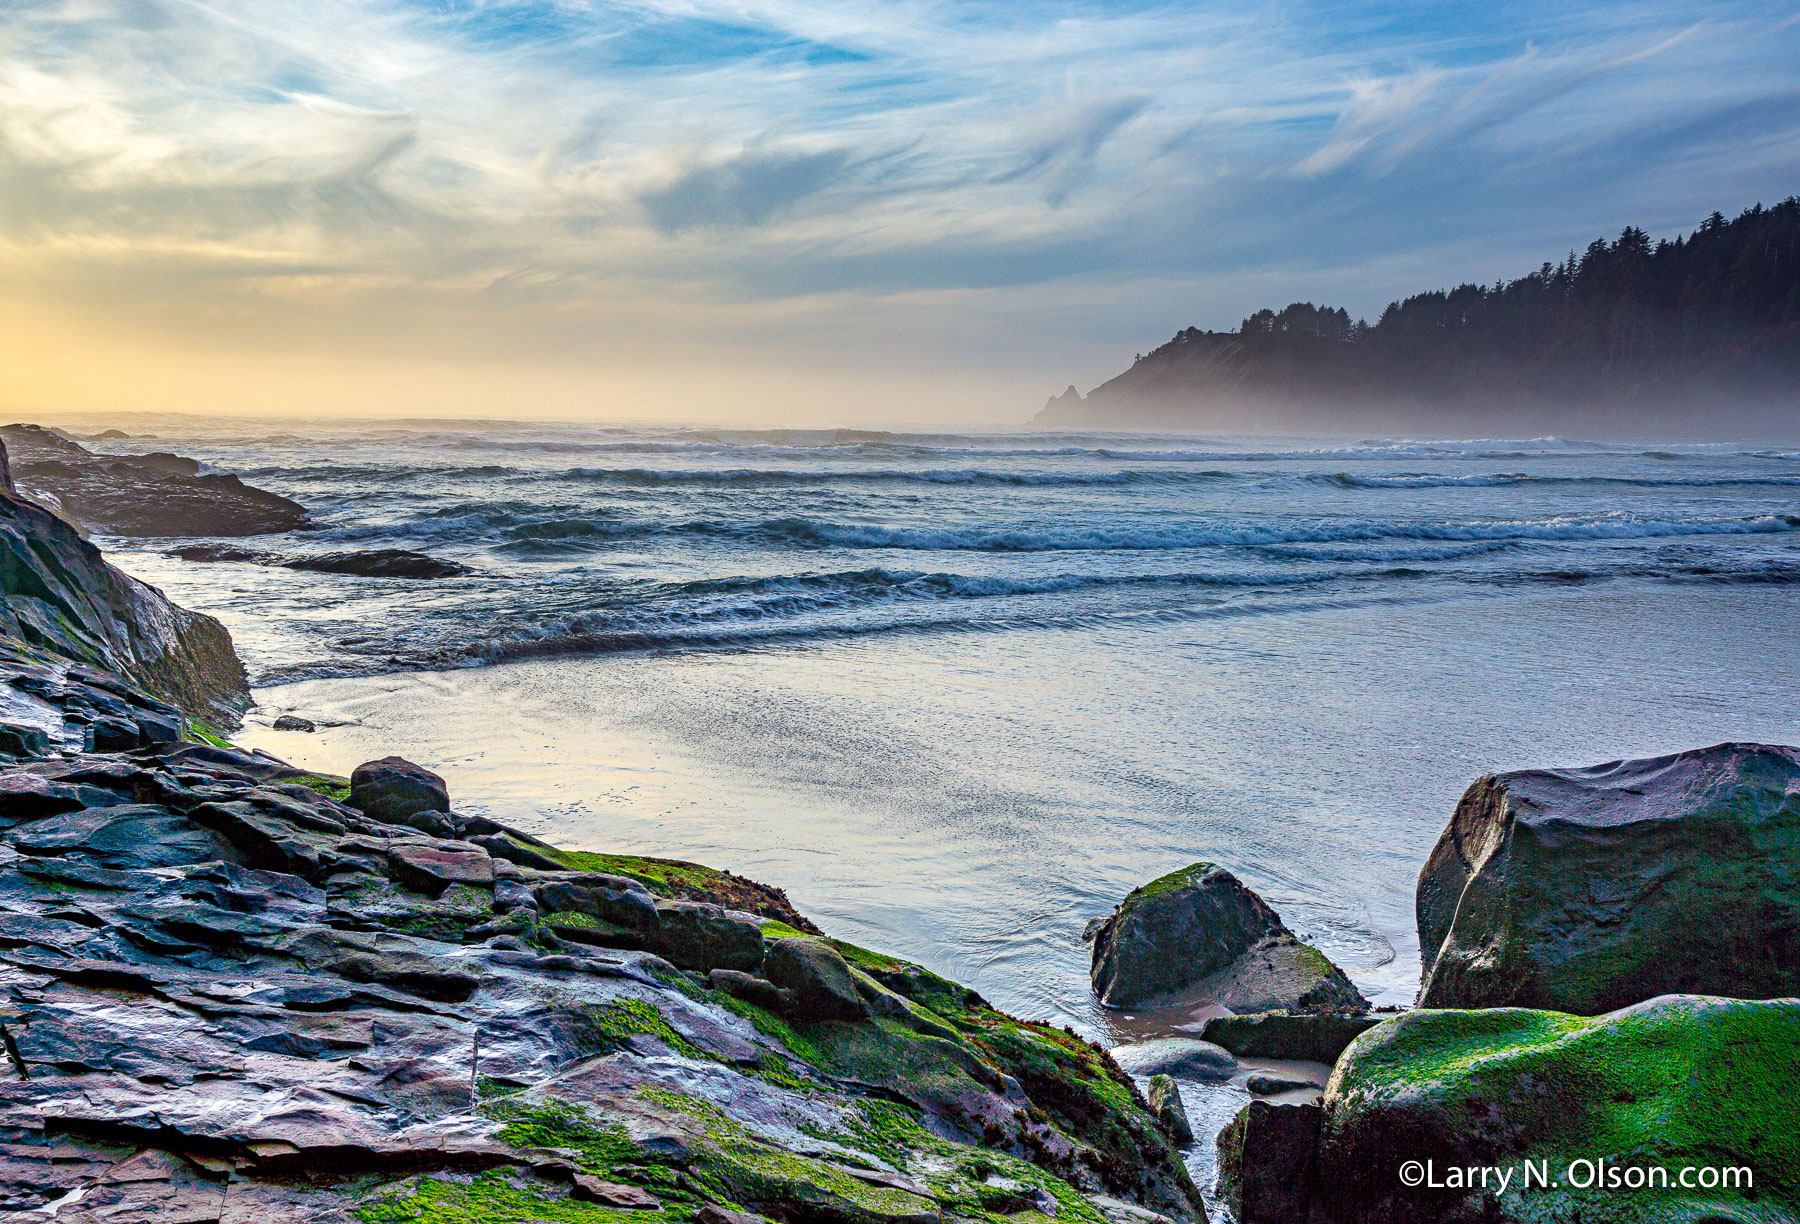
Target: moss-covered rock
[
  {"x": 1200, "y": 934},
  {"x": 1584, "y": 890},
  {"x": 683, "y": 881},
  {"x": 1640, "y": 1095}
]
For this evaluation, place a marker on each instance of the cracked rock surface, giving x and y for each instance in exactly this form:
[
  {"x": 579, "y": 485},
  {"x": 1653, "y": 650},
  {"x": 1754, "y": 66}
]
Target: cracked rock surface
[{"x": 227, "y": 995}]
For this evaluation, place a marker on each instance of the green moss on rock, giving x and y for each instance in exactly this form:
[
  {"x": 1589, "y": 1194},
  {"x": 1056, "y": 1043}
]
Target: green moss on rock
[
  {"x": 683, "y": 881},
  {"x": 330, "y": 786},
  {"x": 494, "y": 1197},
  {"x": 1674, "y": 1082}
]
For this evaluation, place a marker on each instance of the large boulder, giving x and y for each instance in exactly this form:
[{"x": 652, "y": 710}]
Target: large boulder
[
  {"x": 695, "y": 935},
  {"x": 1199, "y": 935},
  {"x": 1585, "y": 890},
  {"x": 816, "y": 978},
  {"x": 395, "y": 790},
  {"x": 62, "y": 604},
  {"x": 1677, "y": 1083}
]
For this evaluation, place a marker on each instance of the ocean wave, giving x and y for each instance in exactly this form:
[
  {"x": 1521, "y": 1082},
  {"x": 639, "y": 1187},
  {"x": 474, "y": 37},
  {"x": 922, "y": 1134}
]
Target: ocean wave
[
  {"x": 588, "y": 533},
  {"x": 1432, "y": 480},
  {"x": 808, "y": 532},
  {"x": 778, "y": 477}
]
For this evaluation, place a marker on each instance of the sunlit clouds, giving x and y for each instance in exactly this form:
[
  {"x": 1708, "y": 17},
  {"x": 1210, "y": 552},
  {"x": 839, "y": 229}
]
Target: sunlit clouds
[{"x": 857, "y": 210}]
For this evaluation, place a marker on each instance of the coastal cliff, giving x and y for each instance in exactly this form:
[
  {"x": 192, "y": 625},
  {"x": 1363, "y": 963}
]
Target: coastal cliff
[
  {"x": 1695, "y": 335},
  {"x": 231, "y": 990}
]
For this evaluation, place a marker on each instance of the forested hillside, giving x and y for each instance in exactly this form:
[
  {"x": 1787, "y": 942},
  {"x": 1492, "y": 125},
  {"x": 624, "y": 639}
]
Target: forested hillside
[{"x": 1626, "y": 330}]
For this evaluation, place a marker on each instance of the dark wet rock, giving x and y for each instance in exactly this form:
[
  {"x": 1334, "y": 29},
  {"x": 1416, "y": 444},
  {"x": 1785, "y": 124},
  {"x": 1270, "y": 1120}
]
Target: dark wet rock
[
  {"x": 365, "y": 563},
  {"x": 380, "y": 563},
  {"x": 16, "y": 740},
  {"x": 1267, "y": 1158},
  {"x": 1165, "y": 1102},
  {"x": 515, "y": 850},
  {"x": 140, "y": 495},
  {"x": 292, "y": 722},
  {"x": 1264, "y": 1084},
  {"x": 713, "y": 1214},
  {"x": 816, "y": 978},
  {"x": 1199, "y": 935},
  {"x": 1302, "y": 1037},
  {"x": 599, "y": 908},
  {"x": 695, "y": 935},
  {"x": 127, "y": 836},
  {"x": 80, "y": 640},
  {"x": 393, "y": 789},
  {"x": 1585, "y": 890},
  {"x": 1182, "y": 1057}
]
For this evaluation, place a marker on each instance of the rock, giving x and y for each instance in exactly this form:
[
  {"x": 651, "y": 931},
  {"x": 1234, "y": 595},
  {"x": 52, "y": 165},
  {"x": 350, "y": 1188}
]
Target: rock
[
  {"x": 503, "y": 846},
  {"x": 1199, "y": 935},
  {"x": 223, "y": 997},
  {"x": 586, "y": 1188},
  {"x": 62, "y": 606},
  {"x": 1267, "y": 1158},
  {"x": 1263, "y": 1084},
  {"x": 624, "y": 910},
  {"x": 816, "y": 979},
  {"x": 379, "y": 563},
  {"x": 1585, "y": 890},
  {"x": 393, "y": 789},
  {"x": 25, "y": 741},
  {"x": 695, "y": 935},
  {"x": 1165, "y": 1104},
  {"x": 711, "y": 1213},
  {"x": 292, "y": 722},
  {"x": 141, "y": 495},
  {"x": 1303, "y": 1037},
  {"x": 1182, "y": 1057},
  {"x": 431, "y": 868},
  {"x": 1679, "y": 1081},
  {"x": 764, "y": 994}
]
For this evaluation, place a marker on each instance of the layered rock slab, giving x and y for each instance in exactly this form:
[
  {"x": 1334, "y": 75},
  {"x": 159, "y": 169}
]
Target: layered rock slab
[
  {"x": 278, "y": 1008},
  {"x": 157, "y": 494}
]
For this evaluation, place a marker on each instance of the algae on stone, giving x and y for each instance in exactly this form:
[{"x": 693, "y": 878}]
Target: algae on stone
[{"x": 1675, "y": 1082}]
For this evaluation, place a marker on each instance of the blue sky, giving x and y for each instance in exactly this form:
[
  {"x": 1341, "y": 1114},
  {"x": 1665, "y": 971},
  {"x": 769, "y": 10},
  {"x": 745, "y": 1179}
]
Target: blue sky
[{"x": 854, "y": 210}]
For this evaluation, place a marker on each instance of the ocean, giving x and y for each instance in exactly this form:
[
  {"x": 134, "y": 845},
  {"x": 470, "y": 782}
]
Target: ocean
[{"x": 959, "y": 693}]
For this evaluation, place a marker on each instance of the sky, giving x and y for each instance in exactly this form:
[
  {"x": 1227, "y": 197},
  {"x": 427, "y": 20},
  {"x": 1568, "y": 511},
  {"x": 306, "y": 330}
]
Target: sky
[{"x": 866, "y": 211}]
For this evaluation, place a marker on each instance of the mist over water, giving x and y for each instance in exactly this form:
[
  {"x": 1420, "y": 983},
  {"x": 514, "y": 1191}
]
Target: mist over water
[{"x": 959, "y": 693}]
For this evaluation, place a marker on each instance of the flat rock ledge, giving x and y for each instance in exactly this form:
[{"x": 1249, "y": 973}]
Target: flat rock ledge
[
  {"x": 228, "y": 995},
  {"x": 156, "y": 494}
]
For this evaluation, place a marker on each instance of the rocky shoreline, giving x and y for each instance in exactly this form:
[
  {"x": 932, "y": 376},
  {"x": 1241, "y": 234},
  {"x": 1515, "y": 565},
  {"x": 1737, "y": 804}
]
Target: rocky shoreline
[{"x": 239, "y": 991}]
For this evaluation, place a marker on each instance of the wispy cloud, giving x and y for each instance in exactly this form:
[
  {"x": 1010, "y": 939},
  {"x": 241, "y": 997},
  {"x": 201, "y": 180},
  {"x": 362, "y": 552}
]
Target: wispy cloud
[{"x": 586, "y": 155}]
